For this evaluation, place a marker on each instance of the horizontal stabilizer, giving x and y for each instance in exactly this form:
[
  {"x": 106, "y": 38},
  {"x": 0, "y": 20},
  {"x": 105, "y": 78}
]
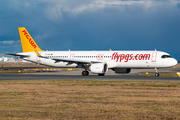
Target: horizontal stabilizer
[{"x": 18, "y": 55}]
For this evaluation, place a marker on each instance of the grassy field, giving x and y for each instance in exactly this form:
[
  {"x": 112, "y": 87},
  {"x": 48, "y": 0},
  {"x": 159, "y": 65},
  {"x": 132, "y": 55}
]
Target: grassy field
[
  {"x": 2, "y": 64},
  {"x": 89, "y": 99}
]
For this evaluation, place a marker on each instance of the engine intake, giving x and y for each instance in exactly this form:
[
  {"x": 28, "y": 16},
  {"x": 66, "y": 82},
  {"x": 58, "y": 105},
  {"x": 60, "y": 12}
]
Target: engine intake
[{"x": 98, "y": 68}]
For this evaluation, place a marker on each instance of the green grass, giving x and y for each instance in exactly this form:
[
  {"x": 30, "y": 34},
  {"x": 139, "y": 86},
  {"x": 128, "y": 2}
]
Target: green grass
[{"x": 89, "y": 99}]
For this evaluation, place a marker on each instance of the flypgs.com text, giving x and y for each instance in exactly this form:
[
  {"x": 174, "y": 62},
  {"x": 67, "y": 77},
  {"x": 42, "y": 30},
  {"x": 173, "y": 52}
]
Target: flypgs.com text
[{"x": 126, "y": 57}]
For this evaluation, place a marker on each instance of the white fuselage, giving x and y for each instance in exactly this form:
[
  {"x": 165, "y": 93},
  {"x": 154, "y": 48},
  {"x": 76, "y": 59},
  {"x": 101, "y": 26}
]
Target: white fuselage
[{"x": 114, "y": 59}]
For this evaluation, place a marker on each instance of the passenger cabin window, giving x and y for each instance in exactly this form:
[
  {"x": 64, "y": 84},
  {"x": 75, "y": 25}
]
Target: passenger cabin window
[{"x": 166, "y": 56}]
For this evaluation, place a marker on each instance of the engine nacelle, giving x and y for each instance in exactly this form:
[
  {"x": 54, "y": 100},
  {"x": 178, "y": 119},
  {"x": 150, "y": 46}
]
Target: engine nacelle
[
  {"x": 98, "y": 68},
  {"x": 122, "y": 70}
]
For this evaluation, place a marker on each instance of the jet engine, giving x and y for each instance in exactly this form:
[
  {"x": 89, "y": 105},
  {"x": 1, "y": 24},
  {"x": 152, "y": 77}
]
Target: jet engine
[
  {"x": 98, "y": 68},
  {"x": 122, "y": 70}
]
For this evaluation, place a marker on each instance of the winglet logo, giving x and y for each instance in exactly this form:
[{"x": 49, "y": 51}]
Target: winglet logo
[{"x": 29, "y": 38}]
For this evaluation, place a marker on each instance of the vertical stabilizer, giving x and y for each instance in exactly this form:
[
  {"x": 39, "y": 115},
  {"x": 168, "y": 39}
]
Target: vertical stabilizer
[{"x": 27, "y": 42}]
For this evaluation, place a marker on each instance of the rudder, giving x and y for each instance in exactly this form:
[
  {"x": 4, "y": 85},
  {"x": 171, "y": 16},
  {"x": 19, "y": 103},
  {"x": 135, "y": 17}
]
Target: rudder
[{"x": 27, "y": 42}]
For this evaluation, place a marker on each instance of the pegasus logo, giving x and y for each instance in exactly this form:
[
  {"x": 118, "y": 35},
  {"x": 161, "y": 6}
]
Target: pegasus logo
[{"x": 30, "y": 40}]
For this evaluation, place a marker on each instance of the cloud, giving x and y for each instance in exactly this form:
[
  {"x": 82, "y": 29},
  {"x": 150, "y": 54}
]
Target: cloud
[
  {"x": 10, "y": 42},
  {"x": 55, "y": 10},
  {"x": 92, "y": 24},
  {"x": 178, "y": 5}
]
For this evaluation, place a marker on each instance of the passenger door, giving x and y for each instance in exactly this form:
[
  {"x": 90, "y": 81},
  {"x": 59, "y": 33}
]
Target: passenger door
[
  {"x": 72, "y": 56},
  {"x": 154, "y": 56}
]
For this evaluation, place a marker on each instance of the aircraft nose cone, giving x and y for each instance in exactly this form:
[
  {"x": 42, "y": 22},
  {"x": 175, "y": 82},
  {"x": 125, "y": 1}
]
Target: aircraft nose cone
[{"x": 175, "y": 62}]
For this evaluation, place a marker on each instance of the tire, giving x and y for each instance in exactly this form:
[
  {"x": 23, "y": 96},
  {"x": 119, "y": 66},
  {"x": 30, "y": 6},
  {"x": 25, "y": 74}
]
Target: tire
[
  {"x": 101, "y": 74},
  {"x": 157, "y": 74},
  {"x": 85, "y": 73}
]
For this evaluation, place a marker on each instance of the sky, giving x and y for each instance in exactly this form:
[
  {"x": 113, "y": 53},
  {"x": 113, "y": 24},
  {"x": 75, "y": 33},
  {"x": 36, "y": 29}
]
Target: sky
[{"x": 92, "y": 25}]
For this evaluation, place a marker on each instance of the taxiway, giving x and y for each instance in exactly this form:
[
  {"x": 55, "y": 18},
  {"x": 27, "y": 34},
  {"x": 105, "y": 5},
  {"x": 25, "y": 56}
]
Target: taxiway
[{"x": 76, "y": 75}]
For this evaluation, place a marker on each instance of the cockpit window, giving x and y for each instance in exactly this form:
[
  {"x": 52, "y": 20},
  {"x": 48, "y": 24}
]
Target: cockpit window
[{"x": 166, "y": 56}]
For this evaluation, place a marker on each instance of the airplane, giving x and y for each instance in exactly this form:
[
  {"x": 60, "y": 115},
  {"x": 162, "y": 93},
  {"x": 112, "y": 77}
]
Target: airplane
[{"x": 97, "y": 62}]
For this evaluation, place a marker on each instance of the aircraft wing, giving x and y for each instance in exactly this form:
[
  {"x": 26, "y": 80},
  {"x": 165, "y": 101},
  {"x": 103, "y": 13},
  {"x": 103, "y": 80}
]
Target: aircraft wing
[
  {"x": 72, "y": 61},
  {"x": 67, "y": 60},
  {"x": 75, "y": 61},
  {"x": 19, "y": 55}
]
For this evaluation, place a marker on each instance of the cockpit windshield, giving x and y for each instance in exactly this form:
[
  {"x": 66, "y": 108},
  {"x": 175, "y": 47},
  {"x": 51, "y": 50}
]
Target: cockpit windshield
[{"x": 166, "y": 56}]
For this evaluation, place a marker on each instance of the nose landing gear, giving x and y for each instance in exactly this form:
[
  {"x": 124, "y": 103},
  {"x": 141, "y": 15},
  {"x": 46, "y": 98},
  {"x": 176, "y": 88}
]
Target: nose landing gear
[{"x": 157, "y": 73}]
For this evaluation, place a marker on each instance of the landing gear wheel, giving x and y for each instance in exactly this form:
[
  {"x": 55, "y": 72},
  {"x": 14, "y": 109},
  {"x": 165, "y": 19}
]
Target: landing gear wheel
[
  {"x": 157, "y": 74},
  {"x": 85, "y": 73},
  {"x": 101, "y": 74}
]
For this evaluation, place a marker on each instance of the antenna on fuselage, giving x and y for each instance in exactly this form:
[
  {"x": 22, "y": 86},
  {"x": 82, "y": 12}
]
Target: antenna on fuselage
[
  {"x": 69, "y": 49},
  {"x": 155, "y": 50}
]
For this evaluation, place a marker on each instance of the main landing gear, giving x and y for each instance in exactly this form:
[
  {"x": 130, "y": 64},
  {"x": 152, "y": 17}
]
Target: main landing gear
[
  {"x": 157, "y": 73},
  {"x": 85, "y": 73}
]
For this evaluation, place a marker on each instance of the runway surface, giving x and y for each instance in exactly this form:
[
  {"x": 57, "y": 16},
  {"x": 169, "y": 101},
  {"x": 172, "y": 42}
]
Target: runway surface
[{"x": 75, "y": 75}]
